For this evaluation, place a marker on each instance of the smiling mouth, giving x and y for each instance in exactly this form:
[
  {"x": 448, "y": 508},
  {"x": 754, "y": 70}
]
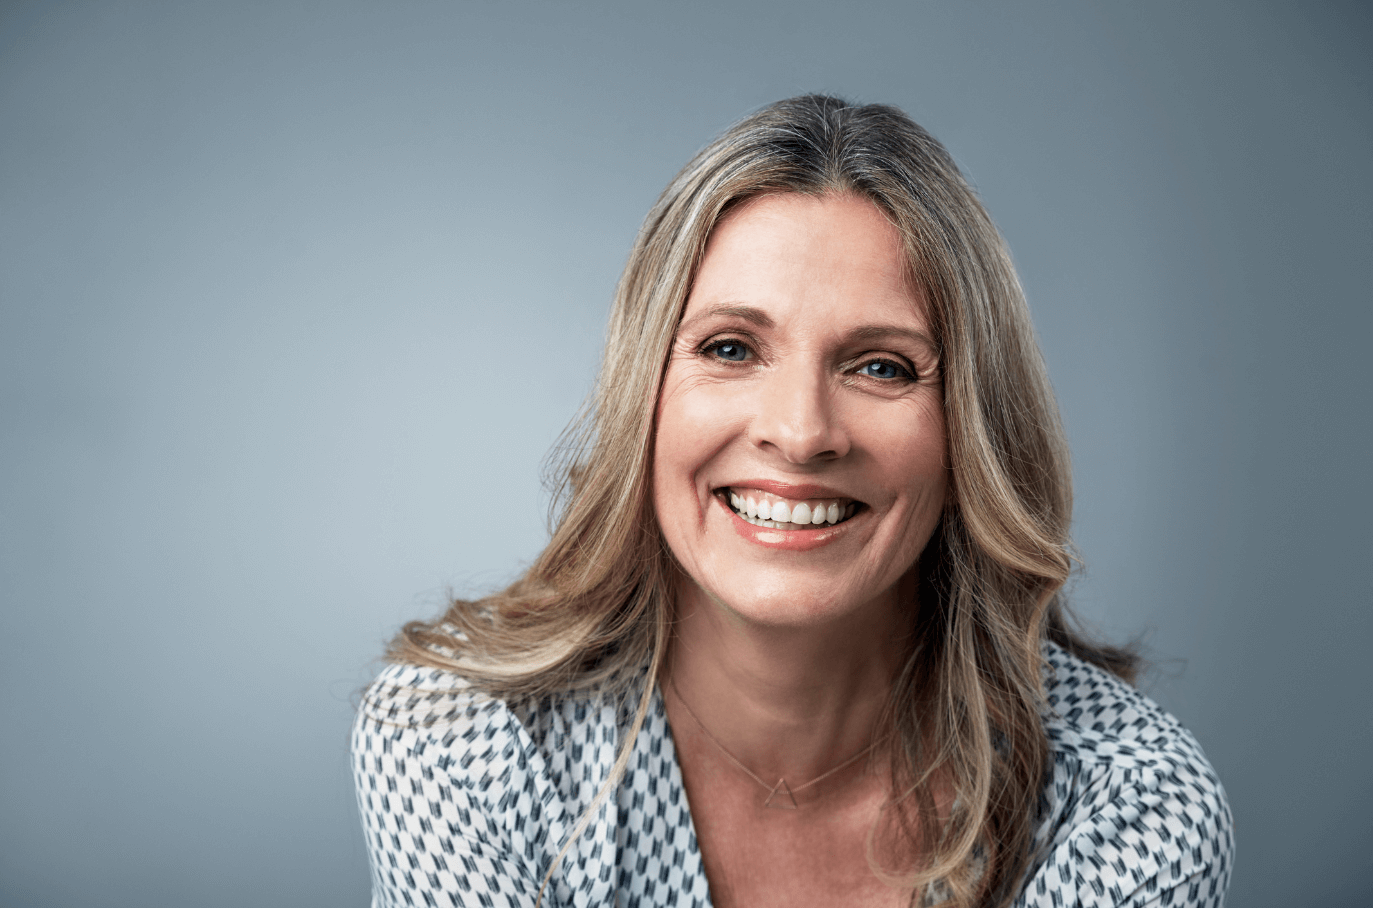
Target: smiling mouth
[{"x": 763, "y": 509}]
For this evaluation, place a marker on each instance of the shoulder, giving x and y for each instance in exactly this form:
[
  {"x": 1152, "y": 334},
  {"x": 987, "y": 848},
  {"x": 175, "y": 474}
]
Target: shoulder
[
  {"x": 461, "y": 792},
  {"x": 1134, "y": 814},
  {"x": 414, "y": 719},
  {"x": 1095, "y": 716}
]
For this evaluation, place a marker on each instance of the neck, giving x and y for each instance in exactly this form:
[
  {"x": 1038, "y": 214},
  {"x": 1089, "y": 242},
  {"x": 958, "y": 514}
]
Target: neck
[{"x": 786, "y": 701}]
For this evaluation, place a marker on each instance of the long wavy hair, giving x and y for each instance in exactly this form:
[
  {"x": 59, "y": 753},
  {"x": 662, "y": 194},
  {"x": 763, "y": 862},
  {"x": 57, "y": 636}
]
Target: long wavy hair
[{"x": 965, "y": 710}]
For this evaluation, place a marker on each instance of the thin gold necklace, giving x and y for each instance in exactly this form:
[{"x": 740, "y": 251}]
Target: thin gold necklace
[{"x": 780, "y": 795}]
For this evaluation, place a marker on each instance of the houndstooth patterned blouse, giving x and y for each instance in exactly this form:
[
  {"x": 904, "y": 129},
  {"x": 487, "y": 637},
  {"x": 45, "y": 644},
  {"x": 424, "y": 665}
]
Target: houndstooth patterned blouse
[{"x": 467, "y": 800}]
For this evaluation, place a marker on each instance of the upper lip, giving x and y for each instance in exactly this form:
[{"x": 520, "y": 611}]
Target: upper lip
[{"x": 793, "y": 491}]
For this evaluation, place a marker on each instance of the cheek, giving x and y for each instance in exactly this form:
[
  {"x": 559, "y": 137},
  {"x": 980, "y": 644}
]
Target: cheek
[
  {"x": 679, "y": 447},
  {"x": 693, "y": 425},
  {"x": 913, "y": 441},
  {"x": 668, "y": 435},
  {"x": 919, "y": 463}
]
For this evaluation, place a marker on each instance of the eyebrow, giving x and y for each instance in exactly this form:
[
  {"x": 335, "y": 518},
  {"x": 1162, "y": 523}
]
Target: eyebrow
[
  {"x": 882, "y": 332},
  {"x": 747, "y": 313}
]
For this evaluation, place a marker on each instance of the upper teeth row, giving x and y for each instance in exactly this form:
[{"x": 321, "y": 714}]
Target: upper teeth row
[{"x": 782, "y": 512}]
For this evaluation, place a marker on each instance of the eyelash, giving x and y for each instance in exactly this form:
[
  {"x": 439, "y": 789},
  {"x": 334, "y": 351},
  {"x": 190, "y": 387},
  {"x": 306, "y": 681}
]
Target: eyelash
[{"x": 908, "y": 373}]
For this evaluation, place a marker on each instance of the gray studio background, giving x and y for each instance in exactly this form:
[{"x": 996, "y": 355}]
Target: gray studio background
[{"x": 295, "y": 297}]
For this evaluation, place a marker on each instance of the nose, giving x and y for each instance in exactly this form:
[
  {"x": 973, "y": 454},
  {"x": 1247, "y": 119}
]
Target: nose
[{"x": 796, "y": 417}]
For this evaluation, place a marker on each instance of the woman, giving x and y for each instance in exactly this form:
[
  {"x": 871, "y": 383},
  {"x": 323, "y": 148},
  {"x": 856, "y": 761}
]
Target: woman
[{"x": 797, "y": 637}]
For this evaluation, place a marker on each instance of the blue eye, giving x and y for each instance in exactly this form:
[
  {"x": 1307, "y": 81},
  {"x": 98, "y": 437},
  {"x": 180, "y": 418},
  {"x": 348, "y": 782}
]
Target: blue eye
[
  {"x": 732, "y": 351},
  {"x": 884, "y": 369}
]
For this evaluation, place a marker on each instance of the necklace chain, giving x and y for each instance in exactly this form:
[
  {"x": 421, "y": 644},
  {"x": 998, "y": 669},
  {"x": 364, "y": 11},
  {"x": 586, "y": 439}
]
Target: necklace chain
[{"x": 780, "y": 794}]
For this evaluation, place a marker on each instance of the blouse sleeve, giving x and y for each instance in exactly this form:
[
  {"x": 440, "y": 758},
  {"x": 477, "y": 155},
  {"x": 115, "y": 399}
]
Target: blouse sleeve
[
  {"x": 1201, "y": 890},
  {"x": 431, "y": 840},
  {"x": 1148, "y": 832},
  {"x": 1135, "y": 816}
]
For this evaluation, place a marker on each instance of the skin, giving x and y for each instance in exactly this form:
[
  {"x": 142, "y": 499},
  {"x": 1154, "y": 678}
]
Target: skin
[{"x": 804, "y": 362}]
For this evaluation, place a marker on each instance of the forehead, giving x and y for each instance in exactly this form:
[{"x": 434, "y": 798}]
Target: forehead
[{"x": 833, "y": 255}]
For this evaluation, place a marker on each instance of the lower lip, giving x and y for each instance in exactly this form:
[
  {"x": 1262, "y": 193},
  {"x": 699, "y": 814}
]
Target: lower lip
[{"x": 786, "y": 540}]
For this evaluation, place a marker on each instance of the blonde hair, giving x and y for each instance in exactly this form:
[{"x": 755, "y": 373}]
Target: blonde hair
[{"x": 965, "y": 709}]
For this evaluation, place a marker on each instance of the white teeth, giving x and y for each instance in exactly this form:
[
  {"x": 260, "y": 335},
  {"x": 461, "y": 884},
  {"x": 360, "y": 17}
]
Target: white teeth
[{"x": 785, "y": 515}]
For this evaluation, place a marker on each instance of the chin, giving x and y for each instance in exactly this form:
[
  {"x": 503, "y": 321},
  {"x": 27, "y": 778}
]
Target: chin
[{"x": 784, "y": 609}]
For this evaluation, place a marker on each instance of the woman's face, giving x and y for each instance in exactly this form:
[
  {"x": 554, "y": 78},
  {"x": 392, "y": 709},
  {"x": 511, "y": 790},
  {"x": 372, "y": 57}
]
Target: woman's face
[{"x": 799, "y": 467}]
